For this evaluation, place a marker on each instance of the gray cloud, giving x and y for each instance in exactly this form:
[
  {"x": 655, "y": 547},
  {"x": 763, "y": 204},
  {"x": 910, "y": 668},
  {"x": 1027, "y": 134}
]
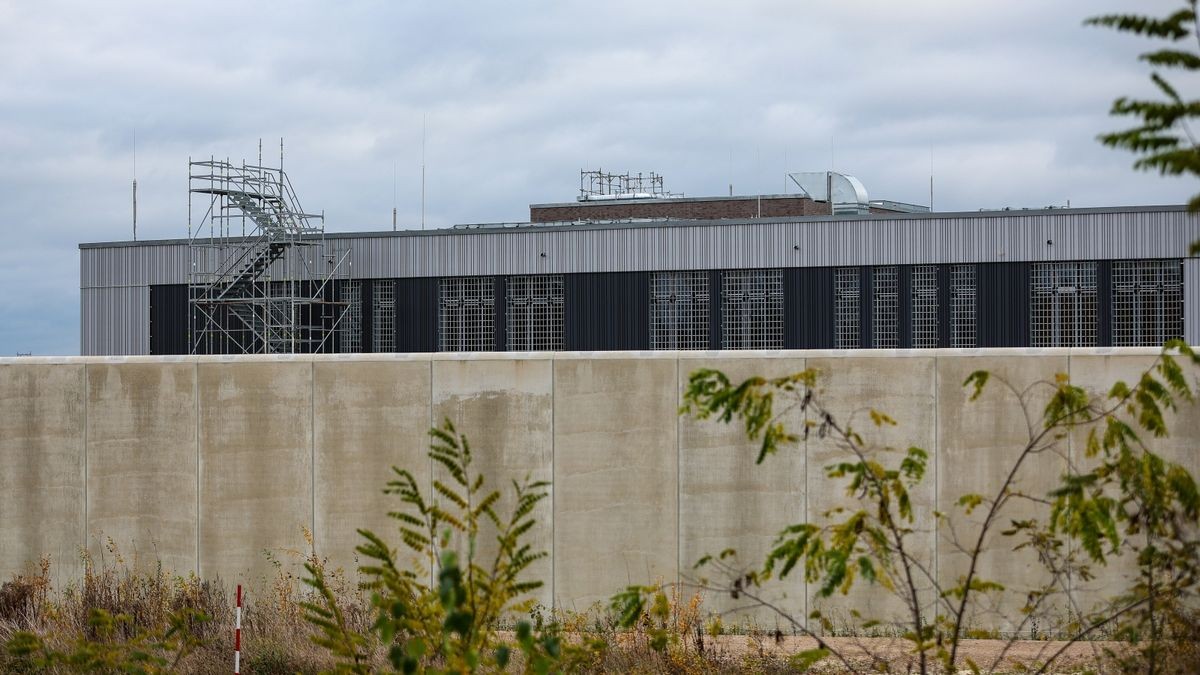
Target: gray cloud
[{"x": 1007, "y": 97}]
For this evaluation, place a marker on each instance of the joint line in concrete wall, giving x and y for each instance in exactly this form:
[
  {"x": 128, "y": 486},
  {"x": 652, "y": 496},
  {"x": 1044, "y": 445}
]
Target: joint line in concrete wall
[
  {"x": 433, "y": 565},
  {"x": 196, "y": 436},
  {"x": 804, "y": 516},
  {"x": 678, "y": 479},
  {"x": 553, "y": 488},
  {"x": 85, "y": 397},
  {"x": 312, "y": 450},
  {"x": 936, "y": 452},
  {"x": 1070, "y": 463}
]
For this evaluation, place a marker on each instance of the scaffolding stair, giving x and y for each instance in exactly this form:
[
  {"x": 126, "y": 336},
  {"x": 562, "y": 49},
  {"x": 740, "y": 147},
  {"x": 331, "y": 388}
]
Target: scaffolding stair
[
  {"x": 242, "y": 281},
  {"x": 262, "y": 294}
]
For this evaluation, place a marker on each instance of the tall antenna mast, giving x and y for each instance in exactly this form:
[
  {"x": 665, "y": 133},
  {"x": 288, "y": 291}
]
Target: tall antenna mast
[
  {"x": 393, "y": 195},
  {"x": 135, "y": 184},
  {"x": 422, "y": 171},
  {"x": 931, "y": 179}
]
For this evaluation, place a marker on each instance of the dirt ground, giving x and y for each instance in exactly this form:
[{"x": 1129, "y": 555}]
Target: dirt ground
[{"x": 988, "y": 655}]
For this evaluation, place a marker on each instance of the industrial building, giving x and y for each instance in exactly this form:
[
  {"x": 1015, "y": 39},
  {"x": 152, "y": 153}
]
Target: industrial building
[{"x": 630, "y": 267}]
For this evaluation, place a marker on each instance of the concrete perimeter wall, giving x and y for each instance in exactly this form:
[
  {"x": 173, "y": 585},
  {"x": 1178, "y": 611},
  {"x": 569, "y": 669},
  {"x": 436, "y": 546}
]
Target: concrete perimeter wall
[{"x": 209, "y": 464}]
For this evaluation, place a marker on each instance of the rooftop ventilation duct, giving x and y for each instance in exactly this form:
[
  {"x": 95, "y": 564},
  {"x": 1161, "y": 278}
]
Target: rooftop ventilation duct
[{"x": 847, "y": 195}]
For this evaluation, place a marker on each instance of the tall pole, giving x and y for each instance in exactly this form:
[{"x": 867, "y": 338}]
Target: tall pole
[
  {"x": 422, "y": 171},
  {"x": 135, "y": 184},
  {"x": 931, "y": 179}
]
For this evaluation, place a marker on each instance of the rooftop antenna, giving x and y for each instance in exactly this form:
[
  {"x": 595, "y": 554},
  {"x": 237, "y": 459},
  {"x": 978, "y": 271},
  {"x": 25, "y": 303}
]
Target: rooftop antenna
[
  {"x": 931, "y": 179},
  {"x": 135, "y": 184},
  {"x": 730, "y": 172},
  {"x": 393, "y": 195},
  {"x": 422, "y": 171}
]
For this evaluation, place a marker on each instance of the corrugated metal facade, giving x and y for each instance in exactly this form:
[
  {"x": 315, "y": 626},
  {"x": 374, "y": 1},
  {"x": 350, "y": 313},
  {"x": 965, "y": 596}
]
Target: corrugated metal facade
[
  {"x": 114, "y": 321},
  {"x": 110, "y": 325}
]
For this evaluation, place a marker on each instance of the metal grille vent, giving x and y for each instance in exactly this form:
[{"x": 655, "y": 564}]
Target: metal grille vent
[
  {"x": 846, "y": 283},
  {"x": 535, "y": 313},
  {"x": 962, "y": 306},
  {"x": 350, "y": 328},
  {"x": 467, "y": 314},
  {"x": 1063, "y": 309},
  {"x": 1147, "y": 302},
  {"x": 752, "y": 309},
  {"x": 383, "y": 316},
  {"x": 924, "y": 306},
  {"x": 679, "y": 310},
  {"x": 884, "y": 308}
]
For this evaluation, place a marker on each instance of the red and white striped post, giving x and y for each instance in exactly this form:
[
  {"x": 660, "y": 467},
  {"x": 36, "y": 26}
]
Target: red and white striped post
[{"x": 237, "y": 634}]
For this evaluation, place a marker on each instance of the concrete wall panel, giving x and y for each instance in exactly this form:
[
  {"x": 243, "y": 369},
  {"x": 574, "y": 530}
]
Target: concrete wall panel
[
  {"x": 979, "y": 442},
  {"x": 505, "y": 409},
  {"x": 616, "y": 476},
  {"x": 1097, "y": 374},
  {"x": 728, "y": 501},
  {"x": 42, "y": 482},
  {"x": 368, "y": 417},
  {"x": 256, "y": 482},
  {"x": 906, "y": 390},
  {"x": 142, "y": 459}
]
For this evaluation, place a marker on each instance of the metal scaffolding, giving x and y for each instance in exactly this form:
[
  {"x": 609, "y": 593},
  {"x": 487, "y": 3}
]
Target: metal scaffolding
[
  {"x": 262, "y": 279},
  {"x": 600, "y": 184}
]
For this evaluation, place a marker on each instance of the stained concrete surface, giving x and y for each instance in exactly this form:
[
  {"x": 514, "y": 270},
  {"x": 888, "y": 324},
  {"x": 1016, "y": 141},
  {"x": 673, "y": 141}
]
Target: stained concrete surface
[
  {"x": 978, "y": 444},
  {"x": 727, "y": 501},
  {"x": 616, "y": 477},
  {"x": 256, "y": 480},
  {"x": 904, "y": 389},
  {"x": 368, "y": 416},
  {"x": 142, "y": 459},
  {"x": 42, "y": 494},
  {"x": 505, "y": 410}
]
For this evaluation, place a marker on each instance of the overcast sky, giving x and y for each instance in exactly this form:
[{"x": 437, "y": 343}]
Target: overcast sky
[{"x": 1004, "y": 98}]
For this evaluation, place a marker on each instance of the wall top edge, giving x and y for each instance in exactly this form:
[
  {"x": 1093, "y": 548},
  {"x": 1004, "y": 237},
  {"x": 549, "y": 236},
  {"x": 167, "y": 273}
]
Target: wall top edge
[
  {"x": 698, "y": 355},
  {"x": 518, "y": 228}
]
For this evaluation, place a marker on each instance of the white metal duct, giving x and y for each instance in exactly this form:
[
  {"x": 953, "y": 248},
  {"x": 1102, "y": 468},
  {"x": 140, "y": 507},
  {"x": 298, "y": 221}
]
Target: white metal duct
[{"x": 847, "y": 193}]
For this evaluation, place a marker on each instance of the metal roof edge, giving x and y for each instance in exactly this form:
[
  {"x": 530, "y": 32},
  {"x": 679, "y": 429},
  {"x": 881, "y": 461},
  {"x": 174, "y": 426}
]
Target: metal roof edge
[{"x": 552, "y": 227}]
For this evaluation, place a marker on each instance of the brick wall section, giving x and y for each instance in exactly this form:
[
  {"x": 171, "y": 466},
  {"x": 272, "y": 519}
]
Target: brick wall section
[{"x": 708, "y": 208}]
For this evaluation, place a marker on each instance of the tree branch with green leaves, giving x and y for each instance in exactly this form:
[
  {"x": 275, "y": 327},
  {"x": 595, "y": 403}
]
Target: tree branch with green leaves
[{"x": 1129, "y": 492}]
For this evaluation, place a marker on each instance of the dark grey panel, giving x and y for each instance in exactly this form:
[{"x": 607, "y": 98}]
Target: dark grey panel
[
  {"x": 416, "y": 315},
  {"x": 904, "y": 307},
  {"x": 607, "y": 311},
  {"x": 367, "y": 316},
  {"x": 945, "y": 305},
  {"x": 714, "y": 309},
  {"x": 1002, "y": 305},
  {"x": 169, "y": 319},
  {"x": 808, "y": 308},
  {"x": 866, "y": 307},
  {"x": 1104, "y": 298},
  {"x": 500, "y": 320}
]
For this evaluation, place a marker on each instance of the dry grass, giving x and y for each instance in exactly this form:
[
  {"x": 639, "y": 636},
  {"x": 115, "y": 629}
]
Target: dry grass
[{"x": 276, "y": 637}]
